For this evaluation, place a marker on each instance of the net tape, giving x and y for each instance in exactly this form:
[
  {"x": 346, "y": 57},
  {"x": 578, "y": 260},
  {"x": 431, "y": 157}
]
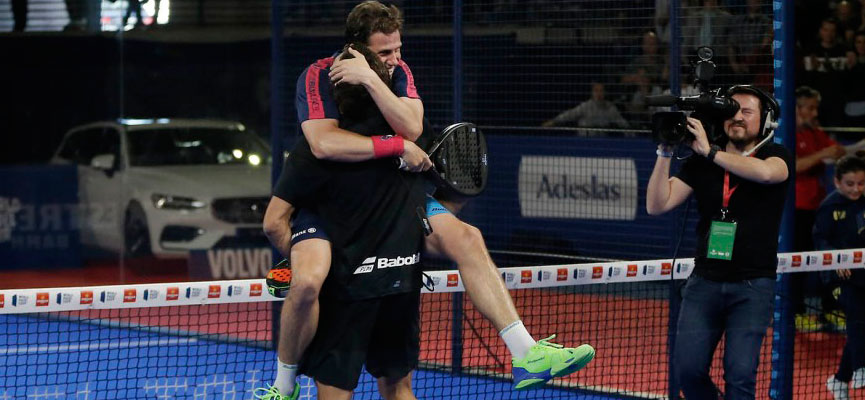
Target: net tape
[{"x": 16, "y": 301}]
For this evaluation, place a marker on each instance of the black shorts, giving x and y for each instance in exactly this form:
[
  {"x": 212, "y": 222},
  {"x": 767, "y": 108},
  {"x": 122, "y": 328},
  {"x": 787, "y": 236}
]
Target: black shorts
[
  {"x": 382, "y": 332},
  {"x": 305, "y": 224}
]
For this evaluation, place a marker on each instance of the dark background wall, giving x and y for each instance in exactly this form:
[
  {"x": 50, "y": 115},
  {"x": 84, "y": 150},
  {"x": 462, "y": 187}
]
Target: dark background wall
[{"x": 52, "y": 83}]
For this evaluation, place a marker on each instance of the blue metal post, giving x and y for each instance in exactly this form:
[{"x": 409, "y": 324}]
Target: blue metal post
[
  {"x": 457, "y": 305},
  {"x": 784, "y": 331},
  {"x": 675, "y": 49},
  {"x": 277, "y": 122},
  {"x": 675, "y": 300}
]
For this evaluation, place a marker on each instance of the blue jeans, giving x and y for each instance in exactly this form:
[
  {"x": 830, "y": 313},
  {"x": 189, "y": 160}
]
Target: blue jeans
[{"x": 742, "y": 310}]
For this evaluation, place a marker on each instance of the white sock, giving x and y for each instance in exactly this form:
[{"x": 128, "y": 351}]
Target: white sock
[
  {"x": 285, "y": 376},
  {"x": 517, "y": 339}
]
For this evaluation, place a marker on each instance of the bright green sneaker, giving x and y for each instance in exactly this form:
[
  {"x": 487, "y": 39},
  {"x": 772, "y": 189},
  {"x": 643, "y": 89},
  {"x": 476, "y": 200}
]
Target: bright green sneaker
[
  {"x": 272, "y": 393},
  {"x": 547, "y": 360}
]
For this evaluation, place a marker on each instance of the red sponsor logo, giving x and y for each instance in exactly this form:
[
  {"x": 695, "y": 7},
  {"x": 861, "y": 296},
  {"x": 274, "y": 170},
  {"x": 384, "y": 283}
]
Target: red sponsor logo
[
  {"x": 562, "y": 274},
  {"x": 827, "y": 258},
  {"x": 857, "y": 257},
  {"x": 453, "y": 280},
  {"x": 666, "y": 268},
  {"x": 2, "y": 300},
  {"x": 797, "y": 261},
  {"x": 86, "y": 297},
  {"x": 632, "y": 270},
  {"x": 41, "y": 299},
  {"x": 213, "y": 291},
  {"x": 129, "y": 295},
  {"x": 254, "y": 289},
  {"x": 525, "y": 276},
  {"x": 172, "y": 293},
  {"x": 597, "y": 272}
]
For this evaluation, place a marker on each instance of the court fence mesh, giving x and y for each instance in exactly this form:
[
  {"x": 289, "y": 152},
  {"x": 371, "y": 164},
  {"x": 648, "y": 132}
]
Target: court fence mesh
[
  {"x": 213, "y": 340},
  {"x": 561, "y": 190}
]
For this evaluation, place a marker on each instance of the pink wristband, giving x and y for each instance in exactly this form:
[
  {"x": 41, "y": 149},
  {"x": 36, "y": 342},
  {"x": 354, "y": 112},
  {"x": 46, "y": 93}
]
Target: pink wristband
[{"x": 387, "y": 146}]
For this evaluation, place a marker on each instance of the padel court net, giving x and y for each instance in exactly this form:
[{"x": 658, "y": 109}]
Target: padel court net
[{"x": 213, "y": 340}]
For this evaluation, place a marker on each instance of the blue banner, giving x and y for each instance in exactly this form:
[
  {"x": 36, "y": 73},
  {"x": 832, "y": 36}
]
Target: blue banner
[
  {"x": 39, "y": 217},
  {"x": 576, "y": 196}
]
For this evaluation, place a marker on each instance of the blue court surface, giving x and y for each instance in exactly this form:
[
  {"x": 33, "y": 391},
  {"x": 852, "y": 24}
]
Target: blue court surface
[{"x": 42, "y": 359}]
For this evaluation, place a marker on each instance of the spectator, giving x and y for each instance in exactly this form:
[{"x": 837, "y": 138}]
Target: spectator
[
  {"x": 825, "y": 63},
  {"x": 812, "y": 147},
  {"x": 593, "y": 113},
  {"x": 651, "y": 59},
  {"x": 84, "y": 15},
  {"x": 816, "y": 11},
  {"x": 19, "y": 13},
  {"x": 709, "y": 25},
  {"x": 642, "y": 77},
  {"x": 754, "y": 50},
  {"x": 847, "y": 21},
  {"x": 854, "y": 110},
  {"x": 636, "y": 104},
  {"x": 133, "y": 7},
  {"x": 839, "y": 225},
  {"x": 662, "y": 20},
  {"x": 861, "y": 18}
]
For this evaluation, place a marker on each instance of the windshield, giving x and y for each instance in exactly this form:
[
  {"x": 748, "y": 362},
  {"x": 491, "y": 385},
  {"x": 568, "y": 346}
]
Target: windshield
[{"x": 195, "y": 146}]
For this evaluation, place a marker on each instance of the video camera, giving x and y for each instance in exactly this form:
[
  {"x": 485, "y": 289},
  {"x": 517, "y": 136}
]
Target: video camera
[{"x": 711, "y": 107}]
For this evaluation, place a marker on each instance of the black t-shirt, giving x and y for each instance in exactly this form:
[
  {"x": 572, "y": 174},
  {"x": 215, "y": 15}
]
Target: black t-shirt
[
  {"x": 369, "y": 211},
  {"x": 756, "y": 208}
]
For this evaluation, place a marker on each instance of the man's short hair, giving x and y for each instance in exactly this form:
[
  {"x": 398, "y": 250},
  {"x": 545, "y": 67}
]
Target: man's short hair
[
  {"x": 351, "y": 99},
  {"x": 848, "y": 164},
  {"x": 370, "y": 17},
  {"x": 808, "y": 93}
]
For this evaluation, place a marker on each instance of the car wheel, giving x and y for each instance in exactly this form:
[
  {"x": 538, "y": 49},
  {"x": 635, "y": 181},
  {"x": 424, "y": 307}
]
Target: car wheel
[{"x": 136, "y": 235}]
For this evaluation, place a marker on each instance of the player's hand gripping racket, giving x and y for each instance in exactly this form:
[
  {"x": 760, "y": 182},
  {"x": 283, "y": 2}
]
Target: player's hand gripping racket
[
  {"x": 279, "y": 279},
  {"x": 459, "y": 156}
]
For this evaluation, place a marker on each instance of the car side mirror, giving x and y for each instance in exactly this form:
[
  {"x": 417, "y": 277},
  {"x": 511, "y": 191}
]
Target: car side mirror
[{"x": 104, "y": 162}]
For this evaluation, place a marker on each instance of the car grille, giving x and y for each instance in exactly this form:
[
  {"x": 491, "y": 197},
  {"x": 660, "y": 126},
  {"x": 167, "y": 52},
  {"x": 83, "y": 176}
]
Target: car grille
[{"x": 244, "y": 210}]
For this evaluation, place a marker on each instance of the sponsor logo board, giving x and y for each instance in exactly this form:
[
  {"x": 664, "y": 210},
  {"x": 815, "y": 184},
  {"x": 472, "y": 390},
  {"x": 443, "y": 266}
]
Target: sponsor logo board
[{"x": 578, "y": 187}]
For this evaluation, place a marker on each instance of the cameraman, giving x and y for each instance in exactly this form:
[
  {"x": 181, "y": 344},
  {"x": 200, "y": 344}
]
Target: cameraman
[{"x": 740, "y": 198}]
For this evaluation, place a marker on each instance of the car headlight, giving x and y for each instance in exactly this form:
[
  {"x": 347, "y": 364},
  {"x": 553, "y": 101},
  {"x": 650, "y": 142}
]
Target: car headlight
[{"x": 168, "y": 202}]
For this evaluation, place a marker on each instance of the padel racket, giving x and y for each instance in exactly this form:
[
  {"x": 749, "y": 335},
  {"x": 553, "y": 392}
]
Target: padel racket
[
  {"x": 278, "y": 279},
  {"x": 459, "y": 155}
]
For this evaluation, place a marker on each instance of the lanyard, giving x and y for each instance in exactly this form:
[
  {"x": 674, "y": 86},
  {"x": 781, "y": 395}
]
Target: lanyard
[{"x": 728, "y": 192}]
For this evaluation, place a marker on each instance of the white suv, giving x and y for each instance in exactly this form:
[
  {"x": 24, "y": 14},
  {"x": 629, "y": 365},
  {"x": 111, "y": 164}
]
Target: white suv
[{"x": 162, "y": 187}]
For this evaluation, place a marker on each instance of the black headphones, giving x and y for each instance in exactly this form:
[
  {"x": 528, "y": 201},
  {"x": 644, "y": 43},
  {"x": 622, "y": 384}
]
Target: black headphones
[
  {"x": 768, "y": 116},
  {"x": 770, "y": 108}
]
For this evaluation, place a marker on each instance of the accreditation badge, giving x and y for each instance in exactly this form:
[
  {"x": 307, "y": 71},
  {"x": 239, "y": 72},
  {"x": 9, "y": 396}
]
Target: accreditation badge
[{"x": 722, "y": 234}]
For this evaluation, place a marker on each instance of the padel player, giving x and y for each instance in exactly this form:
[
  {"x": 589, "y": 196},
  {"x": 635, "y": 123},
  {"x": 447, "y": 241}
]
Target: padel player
[
  {"x": 378, "y": 26},
  {"x": 369, "y": 303}
]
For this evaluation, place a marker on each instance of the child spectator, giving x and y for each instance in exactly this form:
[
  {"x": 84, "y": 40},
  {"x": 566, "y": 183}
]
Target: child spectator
[{"x": 841, "y": 225}]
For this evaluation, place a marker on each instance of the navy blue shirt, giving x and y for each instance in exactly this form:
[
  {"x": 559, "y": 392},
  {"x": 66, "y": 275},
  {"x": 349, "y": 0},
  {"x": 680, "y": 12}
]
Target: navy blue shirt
[
  {"x": 840, "y": 224},
  {"x": 314, "y": 92}
]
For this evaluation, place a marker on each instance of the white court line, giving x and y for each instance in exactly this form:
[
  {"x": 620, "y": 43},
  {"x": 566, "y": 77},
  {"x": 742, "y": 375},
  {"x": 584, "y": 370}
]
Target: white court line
[{"x": 94, "y": 346}]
